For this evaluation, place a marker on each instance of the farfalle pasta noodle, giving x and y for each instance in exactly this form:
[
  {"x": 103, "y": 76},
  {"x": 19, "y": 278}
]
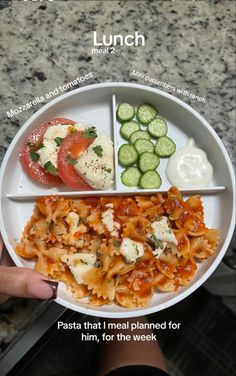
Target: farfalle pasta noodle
[{"x": 169, "y": 231}]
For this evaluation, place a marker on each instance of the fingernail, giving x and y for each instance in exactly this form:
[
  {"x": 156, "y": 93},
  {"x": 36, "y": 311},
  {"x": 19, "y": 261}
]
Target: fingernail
[
  {"x": 54, "y": 286},
  {"x": 42, "y": 289}
]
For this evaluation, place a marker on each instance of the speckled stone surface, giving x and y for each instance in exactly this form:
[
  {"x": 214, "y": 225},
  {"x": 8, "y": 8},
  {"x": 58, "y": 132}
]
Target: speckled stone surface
[{"x": 189, "y": 44}]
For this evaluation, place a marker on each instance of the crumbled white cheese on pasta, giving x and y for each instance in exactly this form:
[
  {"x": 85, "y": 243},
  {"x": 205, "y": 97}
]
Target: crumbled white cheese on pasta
[
  {"x": 163, "y": 231},
  {"x": 162, "y": 236},
  {"x": 73, "y": 221},
  {"x": 80, "y": 263},
  {"x": 108, "y": 220},
  {"x": 131, "y": 249},
  {"x": 109, "y": 205}
]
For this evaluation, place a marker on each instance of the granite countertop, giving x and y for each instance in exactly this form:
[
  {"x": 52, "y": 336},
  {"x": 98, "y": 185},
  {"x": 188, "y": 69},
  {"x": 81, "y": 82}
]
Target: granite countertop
[{"x": 189, "y": 44}]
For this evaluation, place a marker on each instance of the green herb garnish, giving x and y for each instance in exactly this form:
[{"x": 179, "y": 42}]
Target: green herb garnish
[
  {"x": 157, "y": 242},
  {"x": 116, "y": 243},
  {"x": 58, "y": 140},
  {"x": 31, "y": 145},
  {"x": 98, "y": 150},
  {"x": 97, "y": 264},
  {"x": 129, "y": 261},
  {"x": 108, "y": 170},
  {"x": 41, "y": 146},
  {"x": 50, "y": 168},
  {"x": 84, "y": 262},
  {"x": 70, "y": 160},
  {"x": 90, "y": 132},
  {"x": 34, "y": 155}
]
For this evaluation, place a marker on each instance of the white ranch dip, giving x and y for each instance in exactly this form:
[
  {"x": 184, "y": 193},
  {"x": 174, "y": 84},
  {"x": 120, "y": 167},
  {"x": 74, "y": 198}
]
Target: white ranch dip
[{"x": 189, "y": 167}]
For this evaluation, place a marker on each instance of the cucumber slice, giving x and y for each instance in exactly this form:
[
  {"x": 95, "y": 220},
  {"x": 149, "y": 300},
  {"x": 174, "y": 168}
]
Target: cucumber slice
[
  {"x": 139, "y": 134},
  {"x": 125, "y": 112},
  {"x": 148, "y": 161},
  {"x": 131, "y": 176},
  {"x": 127, "y": 155},
  {"x": 146, "y": 113},
  {"x": 142, "y": 145},
  {"x": 158, "y": 127},
  {"x": 165, "y": 147},
  {"x": 150, "y": 180},
  {"x": 128, "y": 128}
]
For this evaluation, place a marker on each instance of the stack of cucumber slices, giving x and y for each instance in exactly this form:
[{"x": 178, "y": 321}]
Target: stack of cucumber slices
[{"x": 147, "y": 143}]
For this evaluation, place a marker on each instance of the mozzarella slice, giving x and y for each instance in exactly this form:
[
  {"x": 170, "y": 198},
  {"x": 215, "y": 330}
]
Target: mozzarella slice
[
  {"x": 49, "y": 151},
  {"x": 80, "y": 263},
  {"x": 97, "y": 168},
  {"x": 131, "y": 249}
]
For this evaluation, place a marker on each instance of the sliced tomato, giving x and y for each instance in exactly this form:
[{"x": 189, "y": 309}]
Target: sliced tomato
[
  {"x": 70, "y": 148},
  {"x": 36, "y": 136},
  {"x": 34, "y": 139}
]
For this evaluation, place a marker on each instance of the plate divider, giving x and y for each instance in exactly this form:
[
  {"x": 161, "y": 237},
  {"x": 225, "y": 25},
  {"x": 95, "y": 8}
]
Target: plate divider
[
  {"x": 115, "y": 137},
  {"x": 184, "y": 191}
]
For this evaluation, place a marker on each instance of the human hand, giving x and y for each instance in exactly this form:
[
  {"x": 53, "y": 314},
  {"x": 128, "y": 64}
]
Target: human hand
[{"x": 23, "y": 282}]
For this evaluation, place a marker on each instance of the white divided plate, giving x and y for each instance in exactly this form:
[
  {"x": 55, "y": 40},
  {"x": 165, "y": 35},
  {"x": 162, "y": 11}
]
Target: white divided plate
[{"x": 96, "y": 105}]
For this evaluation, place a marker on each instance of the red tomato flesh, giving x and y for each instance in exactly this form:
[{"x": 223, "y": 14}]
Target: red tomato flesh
[
  {"x": 34, "y": 139},
  {"x": 72, "y": 145}
]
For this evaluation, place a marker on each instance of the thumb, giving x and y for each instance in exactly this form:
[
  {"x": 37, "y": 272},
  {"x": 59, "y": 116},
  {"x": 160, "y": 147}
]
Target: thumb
[{"x": 27, "y": 283}]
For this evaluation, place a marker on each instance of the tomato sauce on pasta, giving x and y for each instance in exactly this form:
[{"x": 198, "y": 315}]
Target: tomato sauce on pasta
[{"x": 119, "y": 250}]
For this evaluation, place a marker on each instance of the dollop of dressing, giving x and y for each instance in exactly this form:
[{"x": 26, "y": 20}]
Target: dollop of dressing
[{"x": 189, "y": 167}]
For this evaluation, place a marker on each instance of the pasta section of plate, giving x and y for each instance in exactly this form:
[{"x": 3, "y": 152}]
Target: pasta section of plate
[{"x": 119, "y": 249}]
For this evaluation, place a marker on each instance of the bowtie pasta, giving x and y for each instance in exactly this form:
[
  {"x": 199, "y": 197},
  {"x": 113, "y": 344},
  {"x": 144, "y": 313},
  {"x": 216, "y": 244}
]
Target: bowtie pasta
[{"x": 118, "y": 249}]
